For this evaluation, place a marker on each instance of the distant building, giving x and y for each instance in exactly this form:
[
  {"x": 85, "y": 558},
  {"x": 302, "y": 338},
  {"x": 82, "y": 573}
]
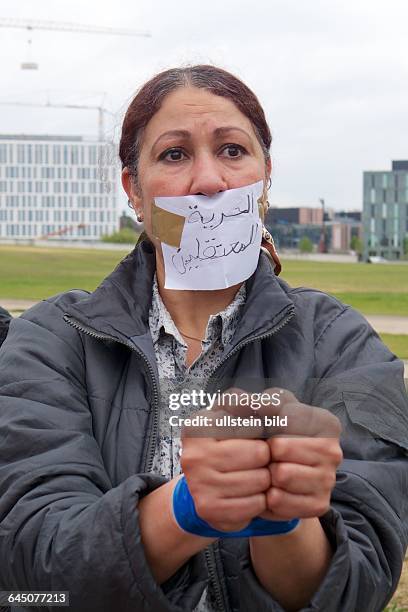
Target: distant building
[
  {"x": 355, "y": 215},
  {"x": 385, "y": 211},
  {"x": 58, "y": 187},
  {"x": 299, "y": 215},
  {"x": 345, "y": 225},
  {"x": 289, "y": 225}
]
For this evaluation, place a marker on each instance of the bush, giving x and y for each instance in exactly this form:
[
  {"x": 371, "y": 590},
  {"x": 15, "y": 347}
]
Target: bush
[
  {"x": 356, "y": 245},
  {"x": 124, "y": 236},
  {"x": 305, "y": 245}
]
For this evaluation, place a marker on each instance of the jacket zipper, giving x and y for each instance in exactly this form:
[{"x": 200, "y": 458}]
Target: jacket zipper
[
  {"x": 148, "y": 463},
  {"x": 212, "y": 554}
]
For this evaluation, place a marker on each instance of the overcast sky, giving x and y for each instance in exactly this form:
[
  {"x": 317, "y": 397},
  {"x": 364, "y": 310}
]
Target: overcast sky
[{"x": 332, "y": 76}]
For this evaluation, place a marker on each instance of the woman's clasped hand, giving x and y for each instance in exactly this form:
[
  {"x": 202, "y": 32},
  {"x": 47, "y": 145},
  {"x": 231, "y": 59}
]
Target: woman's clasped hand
[{"x": 280, "y": 476}]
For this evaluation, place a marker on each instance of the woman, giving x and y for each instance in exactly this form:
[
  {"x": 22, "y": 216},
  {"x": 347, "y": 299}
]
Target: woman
[
  {"x": 90, "y": 468},
  {"x": 5, "y": 318}
]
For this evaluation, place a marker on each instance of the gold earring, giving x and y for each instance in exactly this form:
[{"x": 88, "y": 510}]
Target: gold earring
[{"x": 263, "y": 206}]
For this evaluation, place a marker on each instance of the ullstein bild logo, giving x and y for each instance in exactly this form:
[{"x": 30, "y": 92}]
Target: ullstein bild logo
[{"x": 227, "y": 420}]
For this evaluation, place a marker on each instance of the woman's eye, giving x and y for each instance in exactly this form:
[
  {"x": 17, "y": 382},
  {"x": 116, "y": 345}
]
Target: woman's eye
[
  {"x": 234, "y": 151},
  {"x": 172, "y": 155}
]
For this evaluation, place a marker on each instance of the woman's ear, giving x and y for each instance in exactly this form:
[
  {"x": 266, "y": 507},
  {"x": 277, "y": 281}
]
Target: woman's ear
[{"x": 132, "y": 191}]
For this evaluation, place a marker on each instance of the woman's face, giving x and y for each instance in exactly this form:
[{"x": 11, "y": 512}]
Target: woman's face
[{"x": 197, "y": 143}]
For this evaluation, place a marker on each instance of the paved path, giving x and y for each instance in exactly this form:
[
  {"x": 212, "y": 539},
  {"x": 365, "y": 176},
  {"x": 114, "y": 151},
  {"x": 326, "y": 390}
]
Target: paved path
[
  {"x": 388, "y": 324},
  {"x": 16, "y": 306}
]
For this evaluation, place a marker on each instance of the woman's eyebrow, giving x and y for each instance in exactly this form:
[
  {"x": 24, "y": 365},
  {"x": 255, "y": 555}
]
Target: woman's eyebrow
[
  {"x": 222, "y": 131},
  {"x": 179, "y": 133},
  {"x": 218, "y": 132}
]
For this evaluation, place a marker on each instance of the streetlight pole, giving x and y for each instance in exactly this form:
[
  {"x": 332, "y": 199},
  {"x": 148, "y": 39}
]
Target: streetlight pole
[{"x": 322, "y": 243}]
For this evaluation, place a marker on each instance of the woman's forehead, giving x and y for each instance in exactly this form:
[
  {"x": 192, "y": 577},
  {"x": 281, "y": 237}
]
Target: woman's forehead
[{"x": 190, "y": 107}]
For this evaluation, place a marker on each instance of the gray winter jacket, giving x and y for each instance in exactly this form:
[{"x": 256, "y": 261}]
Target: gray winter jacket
[
  {"x": 78, "y": 424},
  {"x": 5, "y": 318}
]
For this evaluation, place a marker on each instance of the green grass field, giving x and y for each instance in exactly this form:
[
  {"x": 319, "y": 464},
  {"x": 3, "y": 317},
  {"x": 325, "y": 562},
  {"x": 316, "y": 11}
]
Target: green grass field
[
  {"x": 34, "y": 273},
  {"x": 398, "y": 344},
  {"x": 370, "y": 288}
]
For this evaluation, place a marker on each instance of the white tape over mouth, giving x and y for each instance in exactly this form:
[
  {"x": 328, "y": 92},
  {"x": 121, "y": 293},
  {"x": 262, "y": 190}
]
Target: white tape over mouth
[{"x": 218, "y": 244}]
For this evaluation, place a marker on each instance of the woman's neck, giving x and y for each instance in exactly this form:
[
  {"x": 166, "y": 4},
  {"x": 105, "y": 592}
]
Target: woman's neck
[{"x": 191, "y": 309}]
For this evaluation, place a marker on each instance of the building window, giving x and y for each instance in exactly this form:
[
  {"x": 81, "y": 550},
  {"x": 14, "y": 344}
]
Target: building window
[
  {"x": 74, "y": 154},
  {"x": 56, "y": 155},
  {"x": 38, "y": 154},
  {"x": 3, "y": 155},
  {"x": 384, "y": 181},
  {"x": 92, "y": 155},
  {"x": 12, "y": 171},
  {"x": 20, "y": 154}
]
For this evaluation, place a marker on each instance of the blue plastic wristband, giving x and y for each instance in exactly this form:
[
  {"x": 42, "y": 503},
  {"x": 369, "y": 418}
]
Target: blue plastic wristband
[{"x": 187, "y": 519}]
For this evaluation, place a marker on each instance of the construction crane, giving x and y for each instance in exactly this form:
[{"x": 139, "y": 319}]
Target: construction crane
[
  {"x": 34, "y": 24},
  {"x": 63, "y": 231},
  {"x": 101, "y": 111}
]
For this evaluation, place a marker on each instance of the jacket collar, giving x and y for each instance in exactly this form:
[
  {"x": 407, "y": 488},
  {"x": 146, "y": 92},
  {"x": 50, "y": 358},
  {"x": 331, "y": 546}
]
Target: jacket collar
[{"x": 119, "y": 307}]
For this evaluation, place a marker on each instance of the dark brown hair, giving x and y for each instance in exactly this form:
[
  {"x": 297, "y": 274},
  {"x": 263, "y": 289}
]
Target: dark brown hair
[{"x": 151, "y": 95}]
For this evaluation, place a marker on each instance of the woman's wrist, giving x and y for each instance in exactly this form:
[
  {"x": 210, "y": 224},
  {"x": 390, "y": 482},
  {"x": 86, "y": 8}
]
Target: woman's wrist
[
  {"x": 279, "y": 562},
  {"x": 167, "y": 547},
  {"x": 186, "y": 517}
]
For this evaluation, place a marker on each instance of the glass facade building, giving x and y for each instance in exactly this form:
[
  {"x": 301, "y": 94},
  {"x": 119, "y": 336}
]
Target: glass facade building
[
  {"x": 385, "y": 212},
  {"x": 57, "y": 187}
]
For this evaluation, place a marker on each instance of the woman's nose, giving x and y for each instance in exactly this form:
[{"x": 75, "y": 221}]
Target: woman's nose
[{"x": 208, "y": 177}]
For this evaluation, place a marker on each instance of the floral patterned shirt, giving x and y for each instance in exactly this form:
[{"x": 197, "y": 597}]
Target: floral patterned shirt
[{"x": 176, "y": 377}]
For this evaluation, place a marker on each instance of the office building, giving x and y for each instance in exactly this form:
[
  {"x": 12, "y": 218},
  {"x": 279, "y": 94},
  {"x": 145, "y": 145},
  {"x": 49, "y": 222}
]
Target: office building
[
  {"x": 385, "y": 212},
  {"x": 57, "y": 188},
  {"x": 301, "y": 215},
  {"x": 289, "y": 225}
]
